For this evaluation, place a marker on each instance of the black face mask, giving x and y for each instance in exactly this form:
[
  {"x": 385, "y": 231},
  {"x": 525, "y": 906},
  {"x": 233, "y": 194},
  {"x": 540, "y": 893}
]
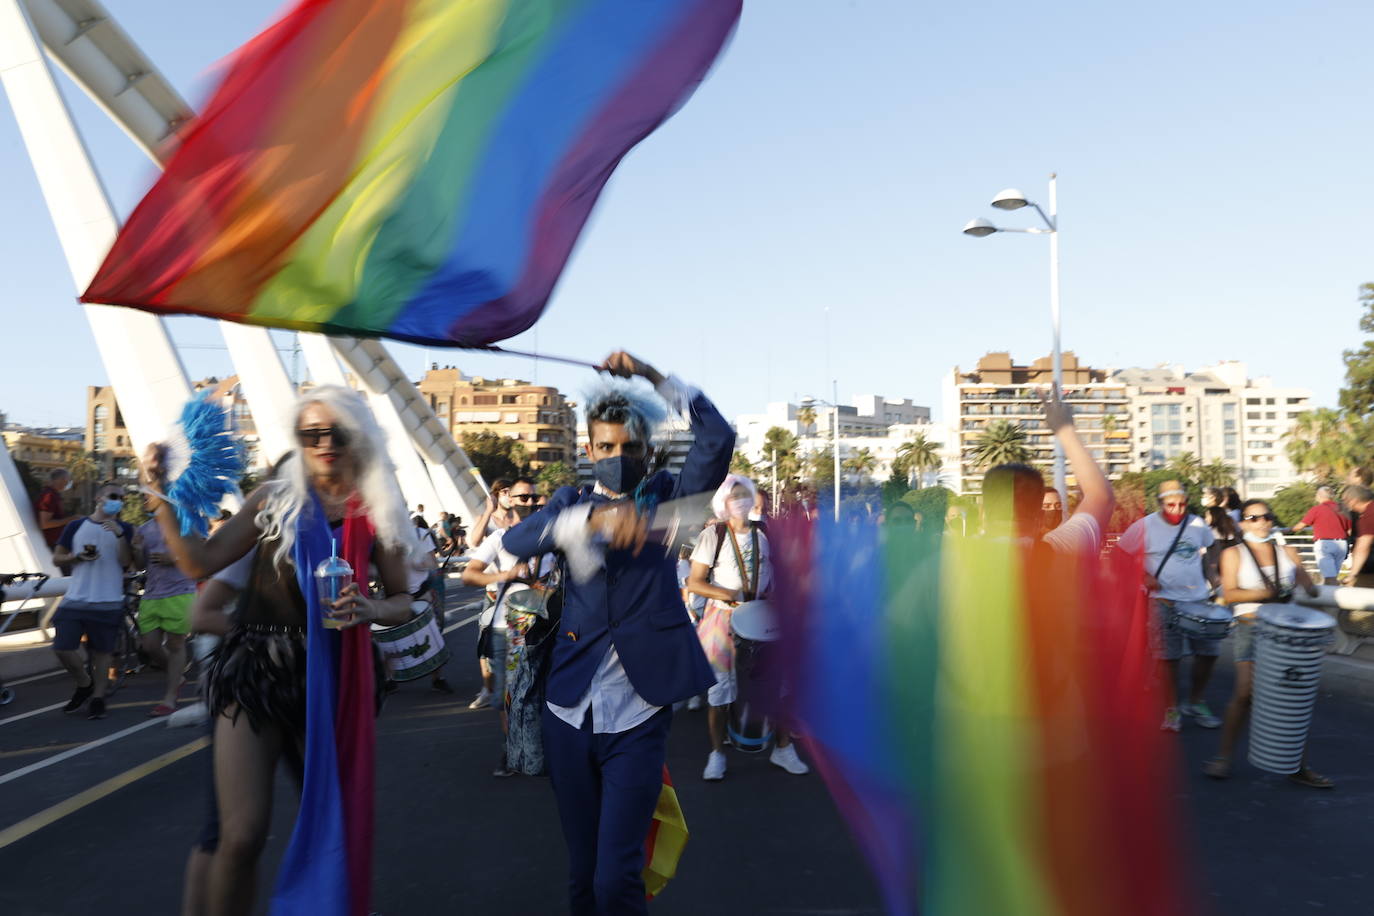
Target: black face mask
[
  {"x": 620, "y": 474},
  {"x": 1052, "y": 518},
  {"x": 524, "y": 510}
]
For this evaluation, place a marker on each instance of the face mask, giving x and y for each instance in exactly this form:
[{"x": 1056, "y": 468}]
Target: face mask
[
  {"x": 1052, "y": 518},
  {"x": 1173, "y": 518},
  {"x": 739, "y": 508},
  {"x": 525, "y": 510},
  {"x": 620, "y": 474},
  {"x": 67, "y": 486},
  {"x": 112, "y": 506},
  {"x": 503, "y": 501},
  {"x": 755, "y": 516},
  {"x": 1258, "y": 538}
]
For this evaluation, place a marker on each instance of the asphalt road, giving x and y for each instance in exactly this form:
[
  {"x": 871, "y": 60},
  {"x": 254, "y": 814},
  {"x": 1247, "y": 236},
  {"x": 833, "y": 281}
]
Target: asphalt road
[{"x": 92, "y": 827}]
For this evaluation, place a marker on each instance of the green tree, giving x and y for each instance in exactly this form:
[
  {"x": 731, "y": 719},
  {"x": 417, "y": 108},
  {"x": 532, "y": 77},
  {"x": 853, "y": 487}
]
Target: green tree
[
  {"x": 1186, "y": 465},
  {"x": 806, "y": 417},
  {"x": 85, "y": 468},
  {"x": 780, "y": 449},
  {"x": 555, "y": 475},
  {"x": 1217, "y": 473},
  {"x": 820, "y": 469},
  {"x": 135, "y": 510},
  {"x": 1001, "y": 442},
  {"x": 1357, "y": 397},
  {"x": 861, "y": 462},
  {"x": 894, "y": 488},
  {"x": 494, "y": 455},
  {"x": 1291, "y": 503},
  {"x": 916, "y": 458},
  {"x": 740, "y": 464},
  {"x": 1327, "y": 442}
]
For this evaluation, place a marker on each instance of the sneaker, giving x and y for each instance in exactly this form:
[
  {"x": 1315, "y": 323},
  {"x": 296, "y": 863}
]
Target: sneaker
[
  {"x": 482, "y": 701},
  {"x": 440, "y": 685},
  {"x": 502, "y": 770},
  {"x": 79, "y": 698},
  {"x": 1203, "y": 714},
  {"x": 715, "y": 767},
  {"x": 97, "y": 710},
  {"x": 786, "y": 757},
  {"x": 1173, "y": 720},
  {"x": 694, "y": 703}
]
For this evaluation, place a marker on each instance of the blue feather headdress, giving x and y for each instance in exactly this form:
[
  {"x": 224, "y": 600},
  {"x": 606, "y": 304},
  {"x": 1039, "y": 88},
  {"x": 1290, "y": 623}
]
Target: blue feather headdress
[{"x": 204, "y": 459}]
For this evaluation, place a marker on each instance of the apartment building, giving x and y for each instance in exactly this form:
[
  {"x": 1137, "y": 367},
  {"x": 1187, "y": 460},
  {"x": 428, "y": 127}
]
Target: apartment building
[
  {"x": 998, "y": 389},
  {"x": 537, "y": 415}
]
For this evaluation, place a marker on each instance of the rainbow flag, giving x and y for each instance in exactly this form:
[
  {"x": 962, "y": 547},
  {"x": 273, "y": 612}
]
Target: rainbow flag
[
  {"x": 986, "y": 715},
  {"x": 412, "y": 169}
]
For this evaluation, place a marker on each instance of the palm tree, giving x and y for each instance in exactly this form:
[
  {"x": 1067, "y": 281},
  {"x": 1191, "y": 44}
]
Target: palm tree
[
  {"x": 861, "y": 462},
  {"x": 1186, "y": 465},
  {"x": 1002, "y": 442},
  {"x": 807, "y": 418},
  {"x": 740, "y": 464},
  {"x": 85, "y": 468},
  {"x": 1216, "y": 473},
  {"x": 916, "y": 458},
  {"x": 1323, "y": 441}
]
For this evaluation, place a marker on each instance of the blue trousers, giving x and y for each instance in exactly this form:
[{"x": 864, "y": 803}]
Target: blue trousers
[{"x": 607, "y": 788}]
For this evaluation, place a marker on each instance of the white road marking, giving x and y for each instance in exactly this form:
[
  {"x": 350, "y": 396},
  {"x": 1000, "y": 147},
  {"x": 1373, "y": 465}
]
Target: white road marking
[{"x": 77, "y": 751}]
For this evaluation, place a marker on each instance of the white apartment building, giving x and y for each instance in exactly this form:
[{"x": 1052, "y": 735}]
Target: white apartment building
[
  {"x": 870, "y": 415},
  {"x": 1216, "y": 412},
  {"x": 998, "y": 389}
]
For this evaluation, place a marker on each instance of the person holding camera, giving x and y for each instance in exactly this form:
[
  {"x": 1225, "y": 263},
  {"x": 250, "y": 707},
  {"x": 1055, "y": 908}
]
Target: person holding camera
[
  {"x": 98, "y": 548},
  {"x": 1258, "y": 569}
]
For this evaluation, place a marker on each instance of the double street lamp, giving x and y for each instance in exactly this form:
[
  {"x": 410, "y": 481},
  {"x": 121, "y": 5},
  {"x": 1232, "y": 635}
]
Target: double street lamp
[
  {"x": 1012, "y": 199},
  {"x": 835, "y": 435}
]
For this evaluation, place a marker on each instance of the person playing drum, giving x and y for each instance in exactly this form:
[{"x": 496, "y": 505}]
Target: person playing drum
[
  {"x": 1257, "y": 570},
  {"x": 729, "y": 565}
]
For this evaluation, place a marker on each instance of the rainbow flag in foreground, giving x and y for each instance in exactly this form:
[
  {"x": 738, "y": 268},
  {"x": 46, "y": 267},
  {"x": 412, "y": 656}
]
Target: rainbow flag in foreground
[
  {"x": 986, "y": 716},
  {"x": 413, "y": 169}
]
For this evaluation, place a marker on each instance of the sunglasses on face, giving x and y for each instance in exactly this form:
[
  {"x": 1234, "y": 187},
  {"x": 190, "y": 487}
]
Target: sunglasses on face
[
  {"x": 311, "y": 437},
  {"x": 524, "y": 497},
  {"x": 1267, "y": 517}
]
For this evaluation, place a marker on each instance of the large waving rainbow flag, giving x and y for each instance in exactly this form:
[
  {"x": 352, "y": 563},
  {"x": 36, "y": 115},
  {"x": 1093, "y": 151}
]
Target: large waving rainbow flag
[
  {"x": 413, "y": 169},
  {"x": 985, "y": 715}
]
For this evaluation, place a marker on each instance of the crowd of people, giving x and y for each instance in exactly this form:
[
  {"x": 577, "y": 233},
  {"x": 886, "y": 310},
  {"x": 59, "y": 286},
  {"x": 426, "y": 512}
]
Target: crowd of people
[{"x": 594, "y": 629}]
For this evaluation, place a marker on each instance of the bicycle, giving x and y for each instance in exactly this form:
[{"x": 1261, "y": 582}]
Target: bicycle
[
  {"x": 127, "y": 658},
  {"x": 7, "y": 580}
]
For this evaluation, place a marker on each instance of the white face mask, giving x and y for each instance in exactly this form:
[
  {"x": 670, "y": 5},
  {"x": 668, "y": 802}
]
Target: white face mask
[
  {"x": 1254, "y": 538},
  {"x": 67, "y": 486},
  {"x": 740, "y": 508}
]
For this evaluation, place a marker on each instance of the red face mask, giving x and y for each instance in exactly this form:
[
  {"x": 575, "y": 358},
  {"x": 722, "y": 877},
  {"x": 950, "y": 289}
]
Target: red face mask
[{"x": 1173, "y": 518}]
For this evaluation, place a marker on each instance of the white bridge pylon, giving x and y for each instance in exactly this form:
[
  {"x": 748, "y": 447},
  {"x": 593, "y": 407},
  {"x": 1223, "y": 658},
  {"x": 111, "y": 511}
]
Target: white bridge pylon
[{"x": 143, "y": 366}]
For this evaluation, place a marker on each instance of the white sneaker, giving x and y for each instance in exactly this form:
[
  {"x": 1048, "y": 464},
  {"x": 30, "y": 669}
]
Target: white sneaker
[
  {"x": 786, "y": 757},
  {"x": 694, "y": 703},
  {"x": 715, "y": 767},
  {"x": 482, "y": 701}
]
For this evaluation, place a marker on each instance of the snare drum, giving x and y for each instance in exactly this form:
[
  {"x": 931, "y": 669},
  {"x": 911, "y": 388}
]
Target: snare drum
[
  {"x": 1203, "y": 621},
  {"x": 413, "y": 649},
  {"x": 749, "y": 726},
  {"x": 754, "y": 620}
]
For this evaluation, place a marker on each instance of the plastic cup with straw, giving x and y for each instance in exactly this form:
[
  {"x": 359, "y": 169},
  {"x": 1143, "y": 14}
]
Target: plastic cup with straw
[{"x": 332, "y": 576}]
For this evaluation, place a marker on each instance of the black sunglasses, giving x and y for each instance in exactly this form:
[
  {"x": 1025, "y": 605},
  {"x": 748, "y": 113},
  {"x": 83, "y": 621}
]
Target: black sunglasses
[
  {"x": 1267, "y": 517},
  {"x": 525, "y": 497},
  {"x": 311, "y": 437}
]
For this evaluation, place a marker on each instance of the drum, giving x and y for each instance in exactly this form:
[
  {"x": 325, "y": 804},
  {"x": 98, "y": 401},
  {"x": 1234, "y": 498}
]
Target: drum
[
  {"x": 413, "y": 649},
  {"x": 749, "y": 725},
  {"x": 1289, "y": 646},
  {"x": 754, "y": 620},
  {"x": 1204, "y": 621}
]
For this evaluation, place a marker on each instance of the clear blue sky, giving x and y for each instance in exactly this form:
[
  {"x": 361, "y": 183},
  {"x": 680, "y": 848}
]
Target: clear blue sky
[{"x": 1215, "y": 185}]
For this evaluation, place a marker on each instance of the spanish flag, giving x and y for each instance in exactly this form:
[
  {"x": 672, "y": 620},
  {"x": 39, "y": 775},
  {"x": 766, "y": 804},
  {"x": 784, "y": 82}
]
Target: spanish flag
[{"x": 666, "y": 840}]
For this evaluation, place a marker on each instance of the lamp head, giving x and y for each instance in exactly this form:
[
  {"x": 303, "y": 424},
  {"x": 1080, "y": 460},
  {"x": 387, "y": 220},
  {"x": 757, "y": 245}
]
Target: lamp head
[
  {"x": 1009, "y": 199},
  {"x": 979, "y": 228}
]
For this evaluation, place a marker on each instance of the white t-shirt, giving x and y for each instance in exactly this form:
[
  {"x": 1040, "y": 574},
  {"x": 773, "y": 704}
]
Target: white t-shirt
[
  {"x": 1181, "y": 578},
  {"x": 99, "y": 581},
  {"x": 498, "y": 559},
  {"x": 727, "y": 572},
  {"x": 1080, "y": 534}
]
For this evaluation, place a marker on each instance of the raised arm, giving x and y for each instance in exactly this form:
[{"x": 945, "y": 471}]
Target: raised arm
[
  {"x": 198, "y": 557},
  {"x": 1098, "y": 498}
]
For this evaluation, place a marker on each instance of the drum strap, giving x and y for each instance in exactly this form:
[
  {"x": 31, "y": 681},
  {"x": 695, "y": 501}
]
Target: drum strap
[
  {"x": 1271, "y": 584},
  {"x": 753, "y": 590},
  {"x": 1187, "y": 516}
]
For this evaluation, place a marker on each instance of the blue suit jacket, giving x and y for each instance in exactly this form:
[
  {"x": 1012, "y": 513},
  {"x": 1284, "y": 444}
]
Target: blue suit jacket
[{"x": 632, "y": 602}]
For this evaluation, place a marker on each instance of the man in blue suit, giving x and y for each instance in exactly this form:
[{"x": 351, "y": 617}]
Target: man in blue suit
[{"x": 625, "y": 652}]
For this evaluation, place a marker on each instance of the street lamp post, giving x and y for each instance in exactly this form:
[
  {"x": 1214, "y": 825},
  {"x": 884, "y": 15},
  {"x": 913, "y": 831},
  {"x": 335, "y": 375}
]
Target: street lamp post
[{"x": 1012, "y": 199}]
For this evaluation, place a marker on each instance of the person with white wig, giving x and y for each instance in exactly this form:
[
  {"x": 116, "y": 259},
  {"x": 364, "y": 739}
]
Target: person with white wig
[
  {"x": 338, "y": 484},
  {"x": 731, "y": 565}
]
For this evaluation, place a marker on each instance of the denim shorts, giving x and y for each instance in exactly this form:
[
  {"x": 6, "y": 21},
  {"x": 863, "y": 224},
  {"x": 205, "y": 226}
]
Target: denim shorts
[
  {"x": 1170, "y": 643},
  {"x": 1243, "y": 638}
]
